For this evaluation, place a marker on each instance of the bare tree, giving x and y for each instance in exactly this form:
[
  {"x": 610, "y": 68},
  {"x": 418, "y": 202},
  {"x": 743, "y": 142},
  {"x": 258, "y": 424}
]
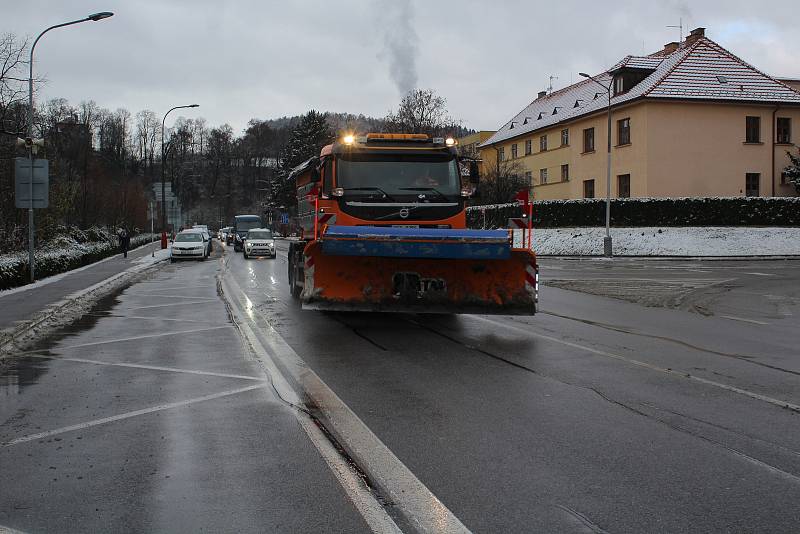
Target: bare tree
[
  {"x": 501, "y": 183},
  {"x": 421, "y": 111},
  {"x": 13, "y": 80}
]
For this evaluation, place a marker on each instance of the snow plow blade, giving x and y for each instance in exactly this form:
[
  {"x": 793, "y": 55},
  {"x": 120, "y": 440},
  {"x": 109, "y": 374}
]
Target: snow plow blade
[{"x": 420, "y": 271}]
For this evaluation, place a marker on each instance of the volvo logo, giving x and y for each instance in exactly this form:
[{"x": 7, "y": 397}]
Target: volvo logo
[{"x": 404, "y": 213}]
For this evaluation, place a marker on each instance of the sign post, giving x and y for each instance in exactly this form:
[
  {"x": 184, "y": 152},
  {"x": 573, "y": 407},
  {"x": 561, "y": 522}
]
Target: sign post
[{"x": 31, "y": 191}]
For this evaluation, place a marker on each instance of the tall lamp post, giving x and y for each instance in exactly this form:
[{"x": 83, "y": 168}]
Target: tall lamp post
[
  {"x": 29, "y": 141},
  {"x": 163, "y": 176},
  {"x": 607, "y": 246}
]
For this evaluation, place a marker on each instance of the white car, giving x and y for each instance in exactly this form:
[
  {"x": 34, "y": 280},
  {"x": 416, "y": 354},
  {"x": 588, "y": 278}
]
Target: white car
[
  {"x": 259, "y": 242},
  {"x": 188, "y": 245}
]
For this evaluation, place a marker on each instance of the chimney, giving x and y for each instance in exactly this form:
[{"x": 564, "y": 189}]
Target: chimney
[
  {"x": 670, "y": 48},
  {"x": 541, "y": 94},
  {"x": 694, "y": 35}
]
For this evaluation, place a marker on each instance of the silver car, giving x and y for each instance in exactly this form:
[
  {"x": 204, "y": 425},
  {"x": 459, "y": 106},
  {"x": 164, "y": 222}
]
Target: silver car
[{"x": 259, "y": 242}]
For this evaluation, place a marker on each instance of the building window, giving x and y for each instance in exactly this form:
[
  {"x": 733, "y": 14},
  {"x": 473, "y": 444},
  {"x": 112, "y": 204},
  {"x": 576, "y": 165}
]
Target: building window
[
  {"x": 753, "y": 130},
  {"x": 542, "y": 176},
  {"x": 624, "y": 132},
  {"x": 751, "y": 184},
  {"x": 619, "y": 85},
  {"x": 514, "y": 151},
  {"x": 624, "y": 186},
  {"x": 565, "y": 172},
  {"x": 565, "y": 137},
  {"x": 588, "y": 189},
  {"x": 784, "y": 130},
  {"x": 528, "y": 147},
  {"x": 529, "y": 178},
  {"x": 588, "y": 140},
  {"x": 543, "y": 143},
  {"x": 502, "y": 153}
]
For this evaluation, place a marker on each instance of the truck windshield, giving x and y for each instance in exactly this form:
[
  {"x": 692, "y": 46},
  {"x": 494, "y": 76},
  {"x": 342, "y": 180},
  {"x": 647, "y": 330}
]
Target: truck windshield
[
  {"x": 243, "y": 225},
  {"x": 396, "y": 176}
]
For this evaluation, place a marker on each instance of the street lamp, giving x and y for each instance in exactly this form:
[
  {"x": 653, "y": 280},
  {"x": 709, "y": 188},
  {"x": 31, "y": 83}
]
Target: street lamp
[
  {"x": 163, "y": 176},
  {"x": 607, "y": 247},
  {"x": 29, "y": 141}
]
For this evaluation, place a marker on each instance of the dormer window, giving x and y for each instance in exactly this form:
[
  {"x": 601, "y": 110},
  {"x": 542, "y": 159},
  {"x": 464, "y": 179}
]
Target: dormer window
[
  {"x": 619, "y": 85},
  {"x": 627, "y": 78}
]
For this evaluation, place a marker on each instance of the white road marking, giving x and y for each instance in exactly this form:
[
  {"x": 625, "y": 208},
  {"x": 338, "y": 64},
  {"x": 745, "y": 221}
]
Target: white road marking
[
  {"x": 409, "y": 495},
  {"x": 167, "y": 305},
  {"x": 762, "y": 274},
  {"x": 156, "y": 295},
  {"x": 128, "y": 415},
  {"x": 134, "y": 338},
  {"x": 145, "y": 318},
  {"x": 777, "y": 402},
  {"x": 169, "y": 288},
  {"x": 742, "y": 319},
  {"x": 143, "y": 366}
]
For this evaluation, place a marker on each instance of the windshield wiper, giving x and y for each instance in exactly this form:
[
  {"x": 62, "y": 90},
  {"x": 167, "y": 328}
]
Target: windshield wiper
[
  {"x": 433, "y": 189},
  {"x": 378, "y": 189}
]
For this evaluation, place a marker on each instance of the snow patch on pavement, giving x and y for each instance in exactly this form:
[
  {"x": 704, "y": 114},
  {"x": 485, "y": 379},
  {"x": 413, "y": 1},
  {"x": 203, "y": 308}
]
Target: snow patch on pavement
[{"x": 667, "y": 241}]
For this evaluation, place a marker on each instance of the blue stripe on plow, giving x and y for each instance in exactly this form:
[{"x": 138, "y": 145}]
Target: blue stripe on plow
[{"x": 438, "y": 243}]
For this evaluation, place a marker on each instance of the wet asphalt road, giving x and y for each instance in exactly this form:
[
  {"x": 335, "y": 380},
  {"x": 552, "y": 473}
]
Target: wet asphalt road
[{"x": 595, "y": 415}]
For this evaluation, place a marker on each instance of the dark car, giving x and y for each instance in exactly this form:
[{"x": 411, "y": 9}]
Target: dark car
[{"x": 241, "y": 225}]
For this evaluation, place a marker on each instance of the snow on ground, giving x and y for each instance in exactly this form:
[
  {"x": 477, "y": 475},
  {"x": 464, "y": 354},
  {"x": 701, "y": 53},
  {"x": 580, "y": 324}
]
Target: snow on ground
[{"x": 668, "y": 241}]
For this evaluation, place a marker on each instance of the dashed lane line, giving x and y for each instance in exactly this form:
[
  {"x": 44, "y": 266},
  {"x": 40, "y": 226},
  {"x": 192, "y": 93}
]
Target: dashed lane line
[
  {"x": 152, "y": 318},
  {"x": 133, "y": 338},
  {"x": 151, "y": 306},
  {"x": 161, "y": 295},
  {"x": 753, "y": 395},
  {"x": 743, "y": 319},
  {"x": 144, "y": 366},
  {"x": 128, "y": 415}
]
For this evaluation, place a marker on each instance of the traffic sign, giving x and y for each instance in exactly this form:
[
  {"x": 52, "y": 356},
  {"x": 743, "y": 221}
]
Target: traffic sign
[{"x": 41, "y": 185}]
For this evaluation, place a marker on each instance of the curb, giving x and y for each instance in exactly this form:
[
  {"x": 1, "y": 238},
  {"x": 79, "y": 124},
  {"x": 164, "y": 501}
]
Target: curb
[{"x": 67, "y": 310}]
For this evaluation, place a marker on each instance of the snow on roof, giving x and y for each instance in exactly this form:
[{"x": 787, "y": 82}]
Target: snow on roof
[{"x": 702, "y": 71}]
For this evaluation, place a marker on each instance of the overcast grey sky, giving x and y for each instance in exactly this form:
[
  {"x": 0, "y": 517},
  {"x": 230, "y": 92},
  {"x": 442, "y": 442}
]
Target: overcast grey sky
[{"x": 265, "y": 59}]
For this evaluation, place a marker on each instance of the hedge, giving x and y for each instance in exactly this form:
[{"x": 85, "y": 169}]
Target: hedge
[
  {"x": 63, "y": 254},
  {"x": 633, "y": 212}
]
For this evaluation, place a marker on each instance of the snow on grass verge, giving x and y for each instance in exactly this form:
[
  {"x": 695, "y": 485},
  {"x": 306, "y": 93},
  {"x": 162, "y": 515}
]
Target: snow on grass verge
[
  {"x": 669, "y": 241},
  {"x": 61, "y": 255}
]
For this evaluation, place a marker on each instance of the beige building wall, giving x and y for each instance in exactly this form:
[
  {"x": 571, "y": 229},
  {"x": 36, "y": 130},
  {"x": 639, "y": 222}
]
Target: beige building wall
[
  {"x": 700, "y": 150},
  {"x": 677, "y": 149}
]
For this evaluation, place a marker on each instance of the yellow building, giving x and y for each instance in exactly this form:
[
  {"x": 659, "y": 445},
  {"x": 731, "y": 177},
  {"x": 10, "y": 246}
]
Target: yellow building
[
  {"x": 690, "y": 120},
  {"x": 469, "y": 145}
]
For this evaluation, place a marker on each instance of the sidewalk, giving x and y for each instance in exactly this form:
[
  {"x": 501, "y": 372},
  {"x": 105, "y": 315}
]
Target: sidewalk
[{"x": 20, "y": 304}]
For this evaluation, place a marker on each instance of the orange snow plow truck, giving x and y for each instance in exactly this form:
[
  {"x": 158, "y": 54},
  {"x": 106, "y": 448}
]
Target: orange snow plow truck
[{"x": 384, "y": 229}]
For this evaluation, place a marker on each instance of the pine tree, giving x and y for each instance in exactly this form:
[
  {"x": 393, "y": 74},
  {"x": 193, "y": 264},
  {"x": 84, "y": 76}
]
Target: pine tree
[
  {"x": 793, "y": 171},
  {"x": 305, "y": 142}
]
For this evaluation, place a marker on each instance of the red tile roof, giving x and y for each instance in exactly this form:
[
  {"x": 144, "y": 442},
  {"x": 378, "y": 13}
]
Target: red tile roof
[{"x": 703, "y": 70}]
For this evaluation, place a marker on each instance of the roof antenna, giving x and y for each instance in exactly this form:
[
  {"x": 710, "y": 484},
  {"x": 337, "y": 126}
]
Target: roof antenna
[
  {"x": 550, "y": 89},
  {"x": 680, "y": 29}
]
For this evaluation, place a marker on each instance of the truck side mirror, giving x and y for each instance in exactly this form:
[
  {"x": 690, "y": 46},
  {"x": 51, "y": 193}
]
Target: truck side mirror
[
  {"x": 474, "y": 173},
  {"x": 315, "y": 175}
]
